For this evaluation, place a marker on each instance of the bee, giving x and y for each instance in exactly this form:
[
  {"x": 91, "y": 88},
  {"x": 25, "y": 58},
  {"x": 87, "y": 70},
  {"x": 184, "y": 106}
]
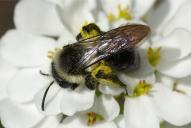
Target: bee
[{"x": 96, "y": 57}]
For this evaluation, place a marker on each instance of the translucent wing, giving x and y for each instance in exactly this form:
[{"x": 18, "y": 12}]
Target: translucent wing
[{"x": 109, "y": 43}]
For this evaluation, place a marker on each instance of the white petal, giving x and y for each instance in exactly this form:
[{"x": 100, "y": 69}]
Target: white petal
[
  {"x": 107, "y": 106},
  {"x": 73, "y": 101},
  {"x": 52, "y": 100},
  {"x": 22, "y": 49},
  {"x": 166, "y": 80},
  {"x": 175, "y": 46},
  {"x": 25, "y": 84},
  {"x": 172, "y": 106},
  {"x": 50, "y": 121},
  {"x": 91, "y": 3},
  {"x": 111, "y": 6},
  {"x": 37, "y": 17},
  {"x": 80, "y": 122},
  {"x": 145, "y": 67},
  {"x": 111, "y": 90},
  {"x": 177, "y": 69},
  {"x": 184, "y": 85},
  {"x": 7, "y": 72},
  {"x": 120, "y": 121},
  {"x": 66, "y": 38},
  {"x": 141, "y": 7},
  {"x": 132, "y": 80},
  {"x": 102, "y": 21},
  {"x": 161, "y": 14},
  {"x": 19, "y": 115},
  {"x": 139, "y": 113},
  {"x": 74, "y": 13},
  {"x": 55, "y": 1},
  {"x": 182, "y": 19}
]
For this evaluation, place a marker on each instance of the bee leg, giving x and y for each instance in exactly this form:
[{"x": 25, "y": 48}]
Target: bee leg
[
  {"x": 64, "y": 84},
  {"x": 110, "y": 79},
  {"x": 91, "y": 82},
  {"x": 44, "y": 74}
]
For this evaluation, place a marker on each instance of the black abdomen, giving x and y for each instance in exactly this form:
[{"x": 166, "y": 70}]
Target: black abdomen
[{"x": 126, "y": 60}]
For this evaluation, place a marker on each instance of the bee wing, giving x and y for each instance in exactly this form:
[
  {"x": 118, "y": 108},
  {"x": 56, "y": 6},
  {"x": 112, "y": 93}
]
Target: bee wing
[{"x": 111, "y": 42}]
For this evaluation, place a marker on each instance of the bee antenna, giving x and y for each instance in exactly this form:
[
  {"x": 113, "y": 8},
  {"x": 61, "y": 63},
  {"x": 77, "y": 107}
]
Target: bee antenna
[{"x": 45, "y": 94}]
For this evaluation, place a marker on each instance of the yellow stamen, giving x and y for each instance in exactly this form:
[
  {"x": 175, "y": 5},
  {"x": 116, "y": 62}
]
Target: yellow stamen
[
  {"x": 111, "y": 17},
  {"x": 122, "y": 14},
  {"x": 51, "y": 54},
  {"x": 93, "y": 117},
  {"x": 142, "y": 88},
  {"x": 153, "y": 56}
]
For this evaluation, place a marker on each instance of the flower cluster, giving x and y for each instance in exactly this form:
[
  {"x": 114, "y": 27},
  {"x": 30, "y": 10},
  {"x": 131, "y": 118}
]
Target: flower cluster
[{"x": 159, "y": 91}]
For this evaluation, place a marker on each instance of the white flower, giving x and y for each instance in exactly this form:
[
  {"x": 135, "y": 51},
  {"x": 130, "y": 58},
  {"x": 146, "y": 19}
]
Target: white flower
[
  {"x": 26, "y": 53},
  {"x": 73, "y": 13},
  {"x": 183, "y": 85},
  {"x": 101, "y": 115},
  {"x": 138, "y": 8},
  {"x": 169, "y": 55},
  {"x": 38, "y": 17},
  {"x": 30, "y": 81},
  {"x": 120, "y": 121},
  {"x": 16, "y": 115},
  {"x": 170, "y": 14},
  {"x": 42, "y": 25},
  {"x": 160, "y": 103}
]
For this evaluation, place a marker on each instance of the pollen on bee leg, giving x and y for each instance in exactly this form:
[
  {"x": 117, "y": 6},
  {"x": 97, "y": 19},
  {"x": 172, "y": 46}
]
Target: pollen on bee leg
[{"x": 92, "y": 117}]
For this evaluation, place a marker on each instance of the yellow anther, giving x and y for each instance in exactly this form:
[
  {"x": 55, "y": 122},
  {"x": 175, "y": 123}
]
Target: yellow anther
[
  {"x": 93, "y": 117},
  {"x": 122, "y": 14},
  {"x": 142, "y": 88},
  {"x": 153, "y": 56},
  {"x": 111, "y": 17},
  {"x": 51, "y": 54}
]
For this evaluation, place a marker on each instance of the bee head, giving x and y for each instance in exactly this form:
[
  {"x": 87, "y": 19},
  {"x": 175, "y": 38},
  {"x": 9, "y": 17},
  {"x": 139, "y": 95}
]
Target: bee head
[{"x": 88, "y": 31}]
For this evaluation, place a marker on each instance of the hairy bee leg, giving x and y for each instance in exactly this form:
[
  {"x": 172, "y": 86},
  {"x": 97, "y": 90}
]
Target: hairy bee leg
[
  {"x": 64, "y": 84},
  {"x": 91, "y": 82},
  {"x": 44, "y": 74},
  {"x": 111, "y": 79},
  {"x": 45, "y": 94}
]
